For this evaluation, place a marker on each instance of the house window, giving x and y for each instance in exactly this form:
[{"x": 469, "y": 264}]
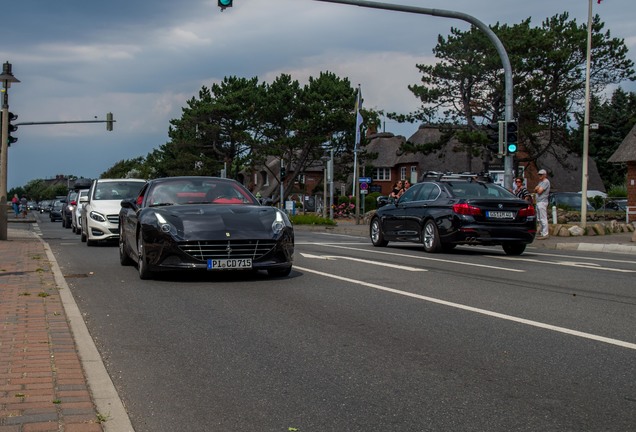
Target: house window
[
  {"x": 265, "y": 178},
  {"x": 402, "y": 173},
  {"x": 413, "y": 174},
  {"x": 381, "y": 174}
]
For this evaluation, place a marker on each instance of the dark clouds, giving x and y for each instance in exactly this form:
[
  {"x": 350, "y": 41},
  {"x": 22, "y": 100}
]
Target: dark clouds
[{"x": 143, "y": 59}]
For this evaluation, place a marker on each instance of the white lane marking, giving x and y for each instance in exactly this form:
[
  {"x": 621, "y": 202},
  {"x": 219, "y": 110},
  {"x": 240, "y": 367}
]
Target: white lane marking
[
  {"x": 374, "y": 263},
  {"x": 586, "y": 265},
  {"x": 528, "y": 322},
  {"x": 567, "y": 256},
  {"x": 422, "y": 258}
]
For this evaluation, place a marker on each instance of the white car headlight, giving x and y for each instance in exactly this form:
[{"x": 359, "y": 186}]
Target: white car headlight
[
  {"x": 97, "y": 216},
  {"x": 279, "y": 222}
]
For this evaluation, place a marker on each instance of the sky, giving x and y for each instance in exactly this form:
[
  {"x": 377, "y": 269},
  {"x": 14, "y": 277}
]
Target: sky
[{"x": 143, "y": 59}]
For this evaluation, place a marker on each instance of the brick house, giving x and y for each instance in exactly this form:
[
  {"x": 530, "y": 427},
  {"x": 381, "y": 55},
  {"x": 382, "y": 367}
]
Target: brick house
[{"x": 626, "y": 153}]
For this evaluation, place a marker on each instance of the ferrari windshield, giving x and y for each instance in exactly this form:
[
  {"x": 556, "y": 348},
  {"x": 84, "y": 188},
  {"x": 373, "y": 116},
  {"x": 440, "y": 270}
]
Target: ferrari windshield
[{"x": 198, "y": 191}]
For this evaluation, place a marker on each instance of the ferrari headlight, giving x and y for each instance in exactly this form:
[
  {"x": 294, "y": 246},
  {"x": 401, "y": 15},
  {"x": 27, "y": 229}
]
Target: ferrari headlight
[
  {"x": 163, "y": 223},
  {"x": 279, "y": 223}
]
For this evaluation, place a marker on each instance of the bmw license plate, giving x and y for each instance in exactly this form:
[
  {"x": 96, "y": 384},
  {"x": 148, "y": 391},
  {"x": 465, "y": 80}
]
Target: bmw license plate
[
  {"x": 229, "y": 264},
  {"x": 500, "y": 215}
]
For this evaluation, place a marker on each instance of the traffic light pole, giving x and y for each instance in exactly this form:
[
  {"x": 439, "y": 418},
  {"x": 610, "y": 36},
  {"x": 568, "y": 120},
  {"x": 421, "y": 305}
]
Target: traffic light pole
[{"x": 508, "y": 159}]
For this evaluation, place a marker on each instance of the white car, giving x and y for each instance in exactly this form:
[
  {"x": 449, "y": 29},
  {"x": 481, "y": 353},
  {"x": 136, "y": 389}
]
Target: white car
[
  {"x": 100, "y": 209},
  {"x": 76, "y": 217}
]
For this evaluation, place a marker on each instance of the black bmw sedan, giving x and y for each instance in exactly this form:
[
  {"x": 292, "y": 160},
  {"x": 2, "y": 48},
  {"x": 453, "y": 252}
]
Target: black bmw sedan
[
  {"x": 446, "y": 210},
  {"x": 206, "y": 223}
]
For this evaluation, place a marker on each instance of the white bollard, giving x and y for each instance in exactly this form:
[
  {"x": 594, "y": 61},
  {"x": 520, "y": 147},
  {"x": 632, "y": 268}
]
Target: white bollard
[{"x": 554, "y": 215}]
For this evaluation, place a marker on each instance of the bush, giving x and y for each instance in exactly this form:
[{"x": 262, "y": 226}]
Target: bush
[
  {"x": 310, "y": 219},
  {"x": 371, "y": 201},
  {"x": 617, "y": 191}
]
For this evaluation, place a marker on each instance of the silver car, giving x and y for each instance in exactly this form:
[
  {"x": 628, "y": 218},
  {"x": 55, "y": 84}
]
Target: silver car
[{"x": 76, "y": 217}]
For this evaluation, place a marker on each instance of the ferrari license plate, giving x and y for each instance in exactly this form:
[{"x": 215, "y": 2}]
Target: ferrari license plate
[
  {"x": 229, "y": 264},
  {"x": 500, "y": 215}
]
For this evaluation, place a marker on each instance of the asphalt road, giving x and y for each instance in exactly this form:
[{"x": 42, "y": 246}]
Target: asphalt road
[{"x": 367, "y": 339}]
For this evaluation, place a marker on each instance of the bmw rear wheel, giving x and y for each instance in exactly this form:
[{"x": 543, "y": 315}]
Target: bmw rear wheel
[
  {"x": 377, "y": 238},
  {"x": 514, "y": 248},
  {"x": 430, "y": 237}
]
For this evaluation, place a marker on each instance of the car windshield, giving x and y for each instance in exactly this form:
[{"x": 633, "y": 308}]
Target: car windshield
[
  {"x": 198, "y": 191},
  {"x": 117, "y": 190},
  {"x": 478, "y": 190}
]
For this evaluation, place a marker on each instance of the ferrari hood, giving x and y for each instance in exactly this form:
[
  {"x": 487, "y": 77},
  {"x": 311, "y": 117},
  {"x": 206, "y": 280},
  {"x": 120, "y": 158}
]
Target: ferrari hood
[{"x": 218, "y": 222}]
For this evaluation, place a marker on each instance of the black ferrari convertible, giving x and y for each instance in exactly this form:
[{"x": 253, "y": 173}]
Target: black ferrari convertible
[{"x": 207, "y": 223}]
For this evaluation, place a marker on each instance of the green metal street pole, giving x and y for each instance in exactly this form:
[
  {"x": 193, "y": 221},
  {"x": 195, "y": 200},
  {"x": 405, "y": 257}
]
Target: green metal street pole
[
  {"x": 7, "y": 78},
  {"x": 503, "y": 55}
]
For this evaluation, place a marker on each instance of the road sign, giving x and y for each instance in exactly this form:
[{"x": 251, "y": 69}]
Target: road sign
[
  {"x": 364, "y": 179},
  {"x": 364, "y": 186}
]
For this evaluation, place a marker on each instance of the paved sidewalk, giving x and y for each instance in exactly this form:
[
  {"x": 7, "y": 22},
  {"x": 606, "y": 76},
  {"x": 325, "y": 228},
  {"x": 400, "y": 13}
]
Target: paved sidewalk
[{"x": 45, "y": 348}]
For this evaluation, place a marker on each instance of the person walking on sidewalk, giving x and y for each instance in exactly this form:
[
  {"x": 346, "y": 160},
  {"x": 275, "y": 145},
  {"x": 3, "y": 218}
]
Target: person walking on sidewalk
[
  {"x": 15, "y": 203},
  {"x": 543, "y": 191},
  {"x": 24, "y": 206}
]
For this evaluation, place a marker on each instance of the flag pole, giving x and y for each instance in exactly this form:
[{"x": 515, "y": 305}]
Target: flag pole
[{"x": 356, "y": 189}]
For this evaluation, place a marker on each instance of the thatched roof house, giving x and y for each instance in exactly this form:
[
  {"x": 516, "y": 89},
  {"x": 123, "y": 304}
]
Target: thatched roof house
[{"x": 564, "y": 168}]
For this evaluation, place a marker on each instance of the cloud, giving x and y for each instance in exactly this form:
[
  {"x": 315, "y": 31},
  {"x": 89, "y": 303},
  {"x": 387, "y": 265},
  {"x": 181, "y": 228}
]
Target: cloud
[{"x": 142, "y": 60}]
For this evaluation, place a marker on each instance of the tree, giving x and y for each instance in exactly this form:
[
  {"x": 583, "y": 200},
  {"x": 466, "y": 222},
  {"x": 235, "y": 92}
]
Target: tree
[
  {"x": 615, "y": 117},
  {"x": 324, "y": 120},
  {"x": 466, "y": 86},
  {"x": 221, "y": 127},
  {"x": 125, "y": 168}
]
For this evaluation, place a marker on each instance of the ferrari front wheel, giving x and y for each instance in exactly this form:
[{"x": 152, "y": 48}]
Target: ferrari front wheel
[
  {"x": 142, "y": 261},
  {"x": 280, "y": 272}
]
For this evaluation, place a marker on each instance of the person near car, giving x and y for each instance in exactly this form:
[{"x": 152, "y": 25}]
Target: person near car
[
  {"x": 395, "y": 192},
  {"x": 15, "y": 203},
  {"x": 407, "y": 185},
  {"x": 542, "y": 191},
  {"x": 24, "y": 206},
  {"x": 521, "y": 191}
]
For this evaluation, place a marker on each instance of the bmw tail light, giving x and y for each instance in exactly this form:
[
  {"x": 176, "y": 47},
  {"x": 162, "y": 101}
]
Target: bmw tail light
[
  {"x": 528, "y": 211},
  {"x": 466, "y": 209}
]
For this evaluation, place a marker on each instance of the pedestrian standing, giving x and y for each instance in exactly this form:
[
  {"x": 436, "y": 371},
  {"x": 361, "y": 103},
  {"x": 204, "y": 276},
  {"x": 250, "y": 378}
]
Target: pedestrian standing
[
  {"x": 24, "y": 206},
  {"x": 15, "y": 203},
  {"x": 543, "y": 191},
  {"x": 521, "y": 190}
]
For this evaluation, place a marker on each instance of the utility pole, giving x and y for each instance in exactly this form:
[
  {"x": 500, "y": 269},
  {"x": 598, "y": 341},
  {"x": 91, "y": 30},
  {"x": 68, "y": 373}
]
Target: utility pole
[{"x": 586, "y": 121}]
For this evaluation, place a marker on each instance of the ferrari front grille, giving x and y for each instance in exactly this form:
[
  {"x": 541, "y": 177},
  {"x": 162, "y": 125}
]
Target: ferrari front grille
[{"x": 205, "y": 250}]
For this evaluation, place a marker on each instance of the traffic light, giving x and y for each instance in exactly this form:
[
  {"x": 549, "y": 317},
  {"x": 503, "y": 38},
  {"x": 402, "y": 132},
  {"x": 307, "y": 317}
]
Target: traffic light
[
  {"x": 495, "y": 134},
  {"x": 511, "y": 137},
  {"x": 109, "y": 121},
  {"x": 12, "y": 128},
  {"x": 283, "y": 172},
  {"x": 224, "y": 4}
]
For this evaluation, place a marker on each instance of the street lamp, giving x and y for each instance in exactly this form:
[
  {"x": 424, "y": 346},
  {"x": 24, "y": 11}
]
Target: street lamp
[{"x": 7, "y": 78}]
